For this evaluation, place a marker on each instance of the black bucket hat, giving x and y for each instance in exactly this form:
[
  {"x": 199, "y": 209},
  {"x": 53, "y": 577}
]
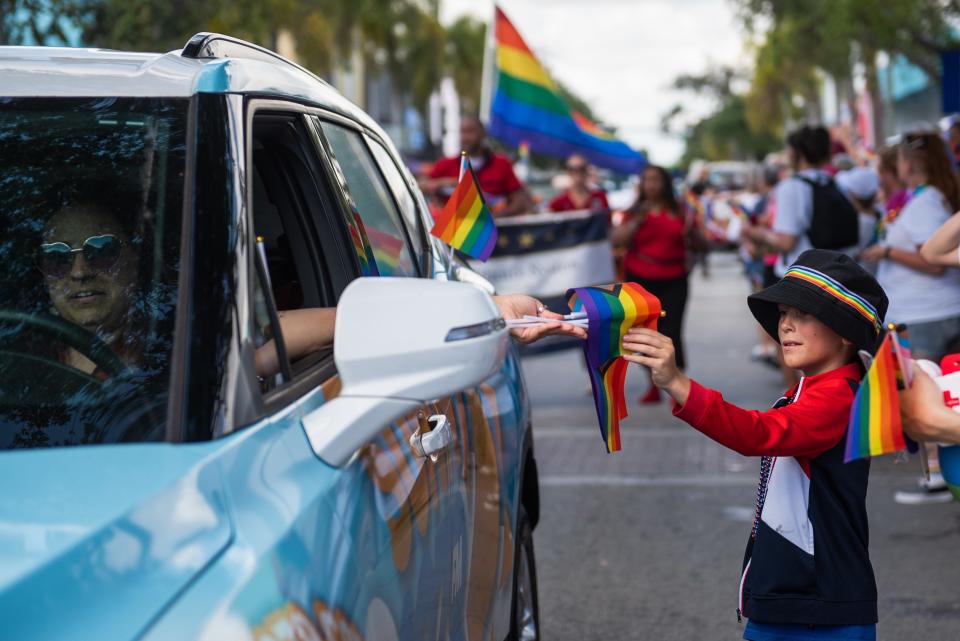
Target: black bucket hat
[{"x": 834, "y": 289}]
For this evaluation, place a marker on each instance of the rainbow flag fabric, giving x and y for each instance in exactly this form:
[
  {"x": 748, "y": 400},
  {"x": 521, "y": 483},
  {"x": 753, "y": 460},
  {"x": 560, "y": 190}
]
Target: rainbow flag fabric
[
  {"x": 611, "y": 310},
  {"x": 695, "y": 206},
  {"x": 466, "y": 222},
  {"x": 526, "y": 106},
  {"x": 361, "y": 243},
  {"x": 387, "y": 251},
  {"x": 737, "y": 210},
  {"x": 875, "y": 427}
]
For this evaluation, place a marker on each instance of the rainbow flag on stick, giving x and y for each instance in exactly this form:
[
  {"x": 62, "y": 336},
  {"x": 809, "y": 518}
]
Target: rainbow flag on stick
[
  {"x": 526, "y": 105},
  {"x": 875, "y": 426},
  {"x": 611, "y": 311},
  {"x": 465, "y": 222}
]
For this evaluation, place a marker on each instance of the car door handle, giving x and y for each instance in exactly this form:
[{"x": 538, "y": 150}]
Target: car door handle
[{"x": 430, "y": 443}]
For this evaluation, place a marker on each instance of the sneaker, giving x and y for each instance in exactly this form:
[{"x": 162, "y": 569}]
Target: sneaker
[
  {"x": 923, "y": 498},
  {"x": 935, "y": 483}
]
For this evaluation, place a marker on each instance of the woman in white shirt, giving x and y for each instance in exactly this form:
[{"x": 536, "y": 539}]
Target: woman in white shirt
[{"x": 924, "y": 296}]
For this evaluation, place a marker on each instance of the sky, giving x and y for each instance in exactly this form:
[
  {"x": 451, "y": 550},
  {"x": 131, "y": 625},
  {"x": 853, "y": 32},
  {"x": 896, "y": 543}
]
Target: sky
[{"x": 621, "y": 56}]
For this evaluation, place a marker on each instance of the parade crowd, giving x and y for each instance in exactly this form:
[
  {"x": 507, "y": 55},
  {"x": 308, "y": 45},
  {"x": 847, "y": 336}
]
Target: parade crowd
[
  {"x": 891, "y": 210},
  {"x": 838, "y": 244}
]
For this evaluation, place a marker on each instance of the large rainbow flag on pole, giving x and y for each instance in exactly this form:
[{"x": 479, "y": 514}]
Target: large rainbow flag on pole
[
  {"x": 465, "y": 222},
  {"x": 526, "y": 106},
  {"x": 875, "y": 427},
  {"x": 611, "y": 310}
]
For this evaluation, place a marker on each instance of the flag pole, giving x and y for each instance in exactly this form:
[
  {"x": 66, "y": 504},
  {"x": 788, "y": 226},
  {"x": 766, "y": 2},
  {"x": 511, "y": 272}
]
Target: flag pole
[
  {"x": 486, "y": 75},
  {"x": 463, "y": 170}
]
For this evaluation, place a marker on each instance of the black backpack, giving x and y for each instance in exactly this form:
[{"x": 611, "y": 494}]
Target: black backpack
[{"x": 835, "y": 223}]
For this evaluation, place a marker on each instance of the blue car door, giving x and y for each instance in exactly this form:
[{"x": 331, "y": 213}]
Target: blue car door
[
  {"x": 419, "y": 500},
  {"x": 490, "y": 418}
]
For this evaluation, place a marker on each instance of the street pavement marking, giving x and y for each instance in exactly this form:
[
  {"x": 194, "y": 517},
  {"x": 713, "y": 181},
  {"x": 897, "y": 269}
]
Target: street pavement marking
[
  {"x": 625, "y": 432},
  {"x": 693, "y": 480}
]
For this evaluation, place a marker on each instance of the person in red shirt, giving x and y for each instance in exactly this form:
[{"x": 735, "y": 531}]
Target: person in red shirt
[
  {"x": 502, "y": 190},
  {"x": 806, "y": 571},
  {"x": 579, "y": 195},
  {"x": 655, "y": 234}
]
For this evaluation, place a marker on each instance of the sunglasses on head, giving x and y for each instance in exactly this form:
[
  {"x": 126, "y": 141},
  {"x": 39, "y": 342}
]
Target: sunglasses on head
[
  {"x": 916, "y": 141},
  {"x": 100, "y": 253}
]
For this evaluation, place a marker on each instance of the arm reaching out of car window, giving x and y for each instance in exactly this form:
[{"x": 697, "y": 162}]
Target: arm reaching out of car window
[
  {"x": 515, "y": 306},
  {"x": 306, "y": 331}
]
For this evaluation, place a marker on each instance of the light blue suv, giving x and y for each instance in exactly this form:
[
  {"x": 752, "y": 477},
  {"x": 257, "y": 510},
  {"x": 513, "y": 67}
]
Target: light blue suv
[{"x": 240, "y": 396}]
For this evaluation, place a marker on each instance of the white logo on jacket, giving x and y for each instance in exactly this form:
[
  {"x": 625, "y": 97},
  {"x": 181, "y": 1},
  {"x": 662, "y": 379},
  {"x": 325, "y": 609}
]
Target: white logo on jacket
[{"x": 788, "y": 497}]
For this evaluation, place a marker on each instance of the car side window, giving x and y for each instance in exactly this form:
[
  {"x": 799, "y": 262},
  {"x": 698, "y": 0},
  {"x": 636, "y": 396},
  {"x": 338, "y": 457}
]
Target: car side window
[
  {"x": 373, "y": 200},
  {"x": 405, "y": 199},
  {"x": 284, "y": 199}
]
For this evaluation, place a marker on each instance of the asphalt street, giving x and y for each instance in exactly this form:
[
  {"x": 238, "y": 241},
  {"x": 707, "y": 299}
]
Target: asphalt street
[{"x": 647, "y": 543}]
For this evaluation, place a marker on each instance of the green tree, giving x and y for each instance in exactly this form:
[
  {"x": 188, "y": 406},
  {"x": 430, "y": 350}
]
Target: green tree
[
  {"x": 725, "y": 134},
  {"x": 40, "y": 22},
  {"x": 804, "y": 36},
  {"x": 465, "y": 45}
]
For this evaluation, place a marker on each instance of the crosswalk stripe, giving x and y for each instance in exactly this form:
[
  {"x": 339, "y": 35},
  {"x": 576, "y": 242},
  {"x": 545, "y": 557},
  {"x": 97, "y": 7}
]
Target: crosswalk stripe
[{"x": 701, "y": 480}]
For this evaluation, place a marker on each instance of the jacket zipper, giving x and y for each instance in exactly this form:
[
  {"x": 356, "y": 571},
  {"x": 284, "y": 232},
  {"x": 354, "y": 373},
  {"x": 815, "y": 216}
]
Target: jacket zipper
[
  {"x": 766, "y": 471},
  {"x": 743, "y": 583}
]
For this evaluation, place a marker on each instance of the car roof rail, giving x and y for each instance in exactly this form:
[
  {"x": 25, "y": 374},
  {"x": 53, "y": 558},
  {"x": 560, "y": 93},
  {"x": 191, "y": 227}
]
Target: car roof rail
[{"x": 216, "y": 45}]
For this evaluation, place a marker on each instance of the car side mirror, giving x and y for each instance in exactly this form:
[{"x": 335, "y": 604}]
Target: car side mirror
[{"x": 400, "y": 342}]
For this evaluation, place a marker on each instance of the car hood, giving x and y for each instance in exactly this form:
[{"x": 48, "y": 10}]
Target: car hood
[{"x": 96, "y": 540}]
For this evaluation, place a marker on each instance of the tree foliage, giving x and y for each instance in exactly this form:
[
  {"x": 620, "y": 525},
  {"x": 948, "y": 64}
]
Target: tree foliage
[
  {"x": 39, "y": 22},
  {"x": 402, "y": 37},
  {"x": 725, "y": 133},
  {"x": 803, "y": 37},
  {"x": 466, "y": 36}
]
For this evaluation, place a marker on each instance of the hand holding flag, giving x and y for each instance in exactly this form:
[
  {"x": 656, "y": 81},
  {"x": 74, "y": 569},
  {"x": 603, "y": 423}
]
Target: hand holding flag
[
  {"x": 530, "y": 321},
  {"x": 611, "y": 311},
  {"x": 875, "y": 425}
]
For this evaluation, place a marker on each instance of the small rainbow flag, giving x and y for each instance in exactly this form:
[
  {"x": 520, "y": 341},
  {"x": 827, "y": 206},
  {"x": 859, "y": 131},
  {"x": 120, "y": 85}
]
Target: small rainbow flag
[
  {"x": 875, "y": 426},
  {"x": 465, "y": 222},
  {"x": 611, "y": 310}
]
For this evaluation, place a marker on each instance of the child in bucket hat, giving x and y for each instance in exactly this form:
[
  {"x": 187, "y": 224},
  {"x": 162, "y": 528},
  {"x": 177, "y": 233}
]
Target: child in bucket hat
[{"x": 806, "y": 572}]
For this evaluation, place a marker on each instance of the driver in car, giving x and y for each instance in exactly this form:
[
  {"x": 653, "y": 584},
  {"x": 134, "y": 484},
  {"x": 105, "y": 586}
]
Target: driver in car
[{"x": 89, "y": 260}]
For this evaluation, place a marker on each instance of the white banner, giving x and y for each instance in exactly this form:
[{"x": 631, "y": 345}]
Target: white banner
[
  {"x": 550, "y": 273},
  {"x": 544, "y": 255}
]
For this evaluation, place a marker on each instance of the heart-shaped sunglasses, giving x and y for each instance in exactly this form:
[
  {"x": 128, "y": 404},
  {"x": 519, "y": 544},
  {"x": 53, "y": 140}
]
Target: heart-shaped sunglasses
[{"x": 100, "y": 253}]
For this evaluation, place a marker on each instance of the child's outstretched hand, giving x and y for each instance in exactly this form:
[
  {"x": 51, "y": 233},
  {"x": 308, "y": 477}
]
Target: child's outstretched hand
[{"x": 654, "y": 350}]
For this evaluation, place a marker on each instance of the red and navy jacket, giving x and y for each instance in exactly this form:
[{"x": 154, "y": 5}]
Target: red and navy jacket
[{"x": 806, "y": 560}]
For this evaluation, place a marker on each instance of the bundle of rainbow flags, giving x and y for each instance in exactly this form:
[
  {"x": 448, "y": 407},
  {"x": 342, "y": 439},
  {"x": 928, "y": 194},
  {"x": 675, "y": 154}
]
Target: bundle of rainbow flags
[
  {"x": 875, "y": 427},
  {"x": 611, "y": 310}
]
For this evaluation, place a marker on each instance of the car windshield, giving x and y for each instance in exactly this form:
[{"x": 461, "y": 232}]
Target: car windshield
[{"x": 91, "y": 201}]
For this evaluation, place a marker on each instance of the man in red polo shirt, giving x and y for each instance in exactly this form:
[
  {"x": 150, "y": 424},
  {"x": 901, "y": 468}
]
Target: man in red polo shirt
[{"x": 503, "y": 191}]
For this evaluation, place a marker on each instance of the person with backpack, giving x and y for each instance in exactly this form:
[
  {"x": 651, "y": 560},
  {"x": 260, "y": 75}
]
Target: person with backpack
[{"x": 812, "y": 213}]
